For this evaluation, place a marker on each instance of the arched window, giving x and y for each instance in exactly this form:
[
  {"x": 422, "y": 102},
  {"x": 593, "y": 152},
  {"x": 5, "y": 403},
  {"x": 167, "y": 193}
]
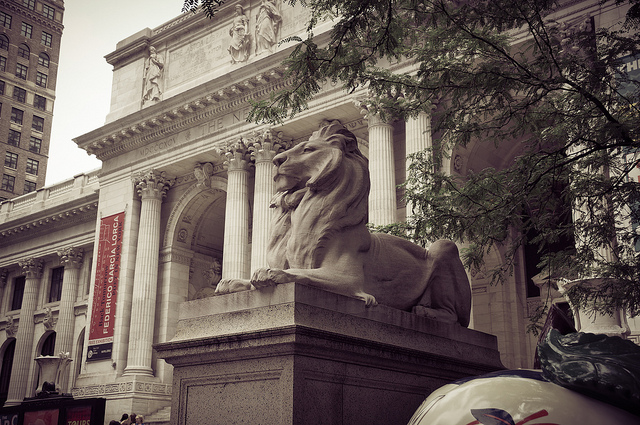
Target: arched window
[
  {"x": 43, "y": 60},
  {"x": 5, "y": 373},
  {"x": 23, "y": 51},
  {"x": 4, "y": 42},
  {"x": 79, "y": 355},
  {"x": 48, "y": 345}
]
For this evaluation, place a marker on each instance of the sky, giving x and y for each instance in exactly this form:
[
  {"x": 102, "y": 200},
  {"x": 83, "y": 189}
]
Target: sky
[{"x": 83, "y": 89}]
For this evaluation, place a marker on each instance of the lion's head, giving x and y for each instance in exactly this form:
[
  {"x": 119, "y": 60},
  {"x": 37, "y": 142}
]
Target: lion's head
[{"x": 323, "y": 186}]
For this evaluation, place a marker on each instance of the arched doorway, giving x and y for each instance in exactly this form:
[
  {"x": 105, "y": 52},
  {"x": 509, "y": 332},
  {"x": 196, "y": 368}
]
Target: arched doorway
[
  {"x": 5, "y": 372},
  {"x": 195, "y": 229},
  {"x": 78, "y": 357}
]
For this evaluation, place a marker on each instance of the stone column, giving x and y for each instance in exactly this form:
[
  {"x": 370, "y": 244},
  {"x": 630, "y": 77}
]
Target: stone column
[
  {"x": 4, "y": 273},
  {"x": 418, "y": 138},
  {"x": 382, "y": 198},
  {"x": 151, "y": 186},
  {"x": 71, "y": 259},
  {"x": 236, "y": 219},
  {"x": 263, "y": 149},
  {"x": 23, "y": 355}
]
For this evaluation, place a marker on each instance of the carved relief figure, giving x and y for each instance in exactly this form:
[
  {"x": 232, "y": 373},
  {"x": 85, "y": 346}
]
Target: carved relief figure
[
  {"x": 212, "y": 277},
  {"x": 319, "y": 237},
  {"x": 240, "y": 39},
  {"x": 267, "y": 26},
  {"x": 153, "y": 71},
  {"x": 48, "y": 321}
]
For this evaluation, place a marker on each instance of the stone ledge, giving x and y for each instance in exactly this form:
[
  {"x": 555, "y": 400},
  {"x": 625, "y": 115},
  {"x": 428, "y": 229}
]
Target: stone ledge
[{"x": 288, "y": 313}]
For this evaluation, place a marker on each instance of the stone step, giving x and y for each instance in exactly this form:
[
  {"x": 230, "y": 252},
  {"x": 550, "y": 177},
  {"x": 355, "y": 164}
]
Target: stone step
[{"x": 161, "y": 417}]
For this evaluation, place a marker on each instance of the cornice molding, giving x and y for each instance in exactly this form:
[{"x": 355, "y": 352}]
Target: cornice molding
[
  {"x": 182, "y": 116},
  {"x": 32, "y": 15},
  {"x": 65, "y": 218}
]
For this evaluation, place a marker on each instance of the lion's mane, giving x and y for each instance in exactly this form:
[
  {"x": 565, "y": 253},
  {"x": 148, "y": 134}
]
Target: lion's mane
[{"x": 333, "y": 201}]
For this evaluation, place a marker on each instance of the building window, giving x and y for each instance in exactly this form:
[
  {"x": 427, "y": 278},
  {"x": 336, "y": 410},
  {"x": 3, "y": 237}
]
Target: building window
[
  {"x": 16, "y": 115},
  {"x": 29, "y": 4},
  {"x": 1, "y": 87},
  {"x": 35, "y": 144},
  {"x": 23, "y": 51},
  {"x": 40, "y": 102},
  {"x": 14, "y": 138},
  {"x": 18, "y": 291},
  {"x": 55, "y": 289},
  {"x": 3, "y": 63},
  {"x": 43, "y": 60},
  {"x": 46, "y": 39},
  {"x": 37, "y": 124},
  {"x": 19, "y": 94},
  {"x": 21, "y": 71},
  {"x": 41, "y": 79},
  {"x": 4, "y": 42},
  {"x": 49, "y": 345},
  {"x": 48, "y": 11},
  {"x": 32, "y": 166},
  {"x": 29, "y": 186},
  {"x": 11, "y": 160},
  {"x": 8, "y": 182},
  {"x": 26, "y": 30},
  {"x": 5, "y": 20}
]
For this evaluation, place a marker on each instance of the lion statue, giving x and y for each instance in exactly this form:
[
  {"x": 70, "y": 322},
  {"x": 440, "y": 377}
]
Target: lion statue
[{"x": 319, "y": 237}]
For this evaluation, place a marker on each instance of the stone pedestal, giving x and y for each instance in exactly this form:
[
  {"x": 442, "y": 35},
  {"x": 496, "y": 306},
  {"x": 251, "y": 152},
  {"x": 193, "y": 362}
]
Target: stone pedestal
[{"x": 299, "y": 355}]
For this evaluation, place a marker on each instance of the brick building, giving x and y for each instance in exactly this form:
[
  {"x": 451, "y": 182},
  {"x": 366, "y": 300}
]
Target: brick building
[{"x": 30, "y": 33}]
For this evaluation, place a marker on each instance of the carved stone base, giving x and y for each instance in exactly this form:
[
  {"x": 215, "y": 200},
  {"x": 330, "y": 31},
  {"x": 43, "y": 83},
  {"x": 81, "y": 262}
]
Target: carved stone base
[
  {"x": 128, "y": 394},
  {"x": 298, "y": 355}
]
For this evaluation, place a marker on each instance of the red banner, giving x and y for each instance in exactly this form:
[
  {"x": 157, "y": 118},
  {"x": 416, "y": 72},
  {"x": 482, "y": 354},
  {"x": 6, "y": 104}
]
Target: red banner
[
  {"x": 106, "y": 287},
  {"x": 41, "y": 417},
  {"x": 79, "y": 415}
]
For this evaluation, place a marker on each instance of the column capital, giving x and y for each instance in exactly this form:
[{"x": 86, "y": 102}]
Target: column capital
[
  {"x": 152, "y": 184},
  {"x": 203, "y": 172},
  {"x": 71, "y": 257},
  {"x": 265, "y": 144},
  {"x": 238, "y": 156},
  {"x": 375, "y": 113},
  {"x": 31, "y": 267}
]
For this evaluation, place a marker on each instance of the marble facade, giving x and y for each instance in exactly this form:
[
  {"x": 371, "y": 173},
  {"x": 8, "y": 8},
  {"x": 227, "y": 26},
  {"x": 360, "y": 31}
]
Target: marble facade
[{"x": 193, "y": 179}]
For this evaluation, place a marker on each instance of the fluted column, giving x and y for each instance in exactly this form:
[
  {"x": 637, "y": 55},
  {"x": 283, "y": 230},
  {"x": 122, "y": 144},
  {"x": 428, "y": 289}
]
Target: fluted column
[
  {"x": 263, "y": 149},
  {"x": 4, "y": 273},
  {"x": 382, "y": 198},
  {"x": 236, "y": 220},
  {"x": 418, "y": 138},
  {"x": 151, "y": 186},
  {"x": 23, "y": 356},
  {"x": 71, "y": 259}
]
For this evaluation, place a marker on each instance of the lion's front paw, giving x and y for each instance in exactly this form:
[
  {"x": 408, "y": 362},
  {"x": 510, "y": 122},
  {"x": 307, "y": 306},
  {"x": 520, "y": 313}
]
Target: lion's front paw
[
  {"x": 441, "y": 315},
  {"x": 227, "y": 286},
  {"x": 369, "y": 300},
  {"x": 265, "y": 277}
]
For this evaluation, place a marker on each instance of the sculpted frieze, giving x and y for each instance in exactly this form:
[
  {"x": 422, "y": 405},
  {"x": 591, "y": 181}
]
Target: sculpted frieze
[
  {"x": 197, "y": 57},
  {"x": 240, "y": 43},
  {"x": 268, "y": 24},
  {"x": 211, "y": 127}
]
